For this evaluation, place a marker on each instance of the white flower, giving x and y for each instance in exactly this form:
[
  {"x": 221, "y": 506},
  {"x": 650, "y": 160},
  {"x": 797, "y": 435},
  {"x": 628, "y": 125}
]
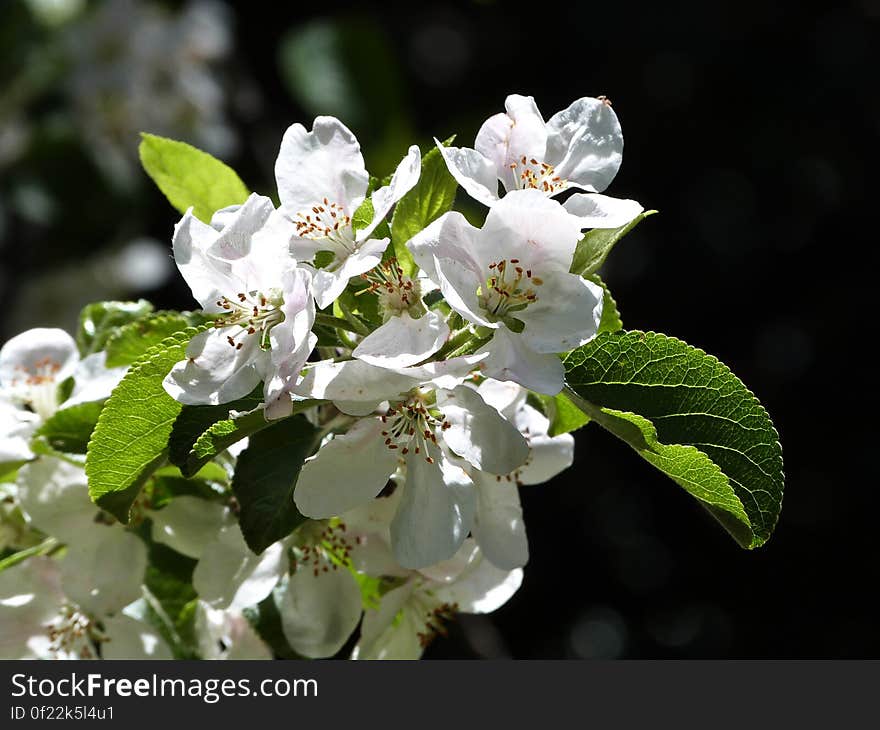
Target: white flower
[
  {"x": 104, "y": 564},
  {"x": 580, "y": 147},
  {"x": 54, "y": 496},
  {"x": 412, "y": 614},
  {"x": 437, "y": 507},
  {"x": 512, "y": 275},
  {"x": 34, "y": 363},
  {"x": 409, "y": 334},
  {"x": 322, "y": 182},
  {"x": 42, "y": 619},
  {"x": 230, "y": 577},
  {"x": 263, "y": 304},
  {"x": 17, "y": 425},
  {"x": 498, "y": 526}
]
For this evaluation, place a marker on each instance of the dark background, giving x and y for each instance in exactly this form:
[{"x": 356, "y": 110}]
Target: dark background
[{"x": 751, "y": 127}]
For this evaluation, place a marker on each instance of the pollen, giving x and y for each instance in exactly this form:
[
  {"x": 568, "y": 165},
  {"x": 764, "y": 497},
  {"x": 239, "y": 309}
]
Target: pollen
[
  {"x": 534, "y": 174},
  {"x": 508, "y": 288}
]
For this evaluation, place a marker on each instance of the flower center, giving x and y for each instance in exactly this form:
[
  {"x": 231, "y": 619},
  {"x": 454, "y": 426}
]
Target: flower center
[
  {"x": 72, "y": 632},
  {"x": 325, "y": 221},
  {"x": 252, "y": 313},
  {"x": 324, "y": 551},
  {"x": 397, "y": 293},
  {"x": 435, "y": 617},
  {"x": 411, "y": 426},
  {"x": 508, "y": 288},
  {"x": 530, "y": 173},
  {"x": 37, "y": 386}
]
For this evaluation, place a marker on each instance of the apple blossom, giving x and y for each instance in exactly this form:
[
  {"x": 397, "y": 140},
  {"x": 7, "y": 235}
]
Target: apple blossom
[
  {"x": 512, "y": 276},
  {"x": 322, "y": 182},
  {"x": 42, "y": 619},
  {"x": 580, "y": 147},
  {"x": 263, "y": 306}
]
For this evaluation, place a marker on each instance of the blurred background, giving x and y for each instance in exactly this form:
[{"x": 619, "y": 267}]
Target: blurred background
[{"x": 751, "y": 127}]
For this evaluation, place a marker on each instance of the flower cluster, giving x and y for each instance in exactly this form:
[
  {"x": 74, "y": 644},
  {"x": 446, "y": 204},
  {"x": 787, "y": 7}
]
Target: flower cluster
[{"x": 420, "y": 365}]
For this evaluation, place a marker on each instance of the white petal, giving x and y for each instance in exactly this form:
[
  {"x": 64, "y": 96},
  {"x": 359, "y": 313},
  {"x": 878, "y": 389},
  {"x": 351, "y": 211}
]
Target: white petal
[
  {"x": 30, "y": 599},
  {"x": 506, "y": 138},
  {"x": 402, "y": 181},
  {"x": 323, "y": 163},
  {"x": 368, "y": 529},
  {"x": 319, "y": 613},
  {"x": 328, "y": 284},
  {"x": 229, "y": 630},
  {"x": 215, "y": 372},
  {"x": 479, "y": 433},
  {"x": 103, "y": 569},
  {"x": 256, "y": 258},
  {"x": 32, "y": 351},
  {"x": 585, "y": 144},
  {"x": 528, "y": 226},
  {"x": 208, "y": 278},
  {"x": 505, "y": 397},
  {"x": 403, "y": 341},
  {"x": 447, "y": 571},
  {"x": 16, "y": 428},
  {"x": 392, "y": 630},
  {"x": 55, "y": 497},
  {"x": 348, "y": 471},
  {"x": 450, "y": 236},
  {"x": 498, "y": 524},
  {"x": 459, "y": 284},
  {"x": 230, "y": 576},
  {"x": 510, "y": 359},
  {"x": 93, "y": 380},
  {"x": 446, "y": 374},
  {"x": 600, "y": 211},
  {"x": 547, "y": 457},
  {"x": 353, "y": 381},
  {"x": 483, "y": 588},
  {"x": 435, "y": 513},
  {"x": 292, "y": 340},
  {"x": 239, "y": 225},
  {"x": 187, "y": 524},
  {"x": 566, "y": 314},
  {"x": 128, "y": 638},
  {"x": 476, "y": 174}
]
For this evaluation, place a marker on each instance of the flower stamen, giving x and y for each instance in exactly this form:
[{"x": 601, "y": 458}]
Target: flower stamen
[
  {"x": 508, "y": 288},
  {"x": 531, "y": 173},
  {"x": 252, "y": 312}
]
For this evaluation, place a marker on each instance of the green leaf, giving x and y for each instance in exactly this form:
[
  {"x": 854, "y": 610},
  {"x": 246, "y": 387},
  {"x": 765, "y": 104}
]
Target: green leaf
[
  {"x": 265, "y": 477},
  {"x": 194, "y": 421},
  {"x": 99, "y": 321},
  {"x": 690, "y": 416},
  {"x": 363, "y": 216},
  {"x": 190, "y": 177},
  {"x": 69, "y": 429},
  {"x": 128, "y": 343},
  {"x": 131, "y": 439},
  {"x": 595, "y": 246},
  {"x": 610, "y": 321},
  {"x": 564, "y": 416},
  {"x": 432, "y": 196}
]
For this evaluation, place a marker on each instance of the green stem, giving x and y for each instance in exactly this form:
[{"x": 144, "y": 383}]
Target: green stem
[
  {"x": 456, "y": 340},
  {"x": 336, "y": 322},
  {"x": 473, "y": 343},
  {"x": 350, "y": 317},
  {"x": 45, "y": 547}
]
